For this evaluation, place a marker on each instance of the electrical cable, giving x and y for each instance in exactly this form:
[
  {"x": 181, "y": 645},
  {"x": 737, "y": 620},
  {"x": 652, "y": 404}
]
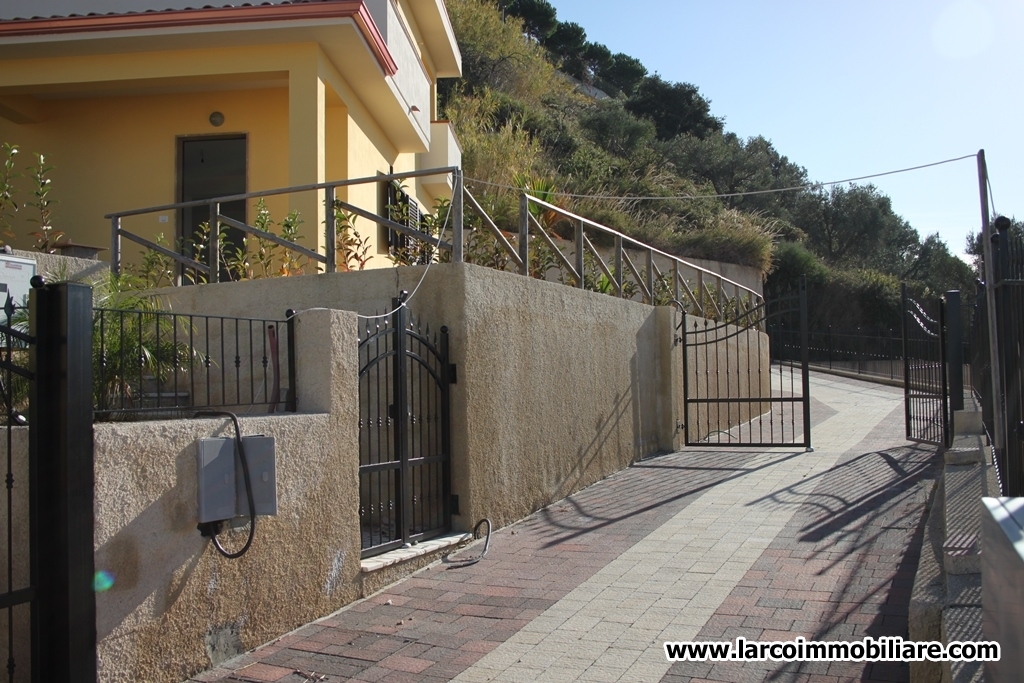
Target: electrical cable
[
  {"x": 727, "y": 195},
  {"x": 405, "y": 302},
  {"x": 215, "y": 529},
  {"x": 460, "y": 562}
]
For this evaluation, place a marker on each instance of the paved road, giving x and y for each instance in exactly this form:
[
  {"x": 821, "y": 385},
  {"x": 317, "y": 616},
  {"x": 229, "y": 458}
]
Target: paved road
[{"x": 698, "y": 545}]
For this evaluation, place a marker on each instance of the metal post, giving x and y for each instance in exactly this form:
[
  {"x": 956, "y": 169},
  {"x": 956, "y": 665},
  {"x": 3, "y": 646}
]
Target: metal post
[
  {"x": 331, "y": 232},
  {"x": 61, "y": 455},
  {"x": 906, "y": 359},
  {"x": 446, "y": 432},
  {"x": 892, "y": 353},
  {"x": 650, "y": 274},
  {"x": 829, "y": 347},
  {"x": 618, "y": 265},
  {"x": 861, "y": 354},
  {"x": 580, "y": 251},
  {"x": 998, "y": 417},
  {"x": 700, "y": 293},
  {"x": 213, "y": 243},
  {"x": 458, "y": 217},
  {"x": 675, "y": 280},
  {"x": 686, "y": 382},
  {"x": 115, "y": 245},
  {"x": 524, "y": 234},
  {"x": 400, "y": 414},
  {"x": 291, "y": 401},
  {"x": 805, "y": 363},
  {"x": 943, "y": 383},
  {"x": 1007, "y": 343},
  {"x": 954, "y": 350}
]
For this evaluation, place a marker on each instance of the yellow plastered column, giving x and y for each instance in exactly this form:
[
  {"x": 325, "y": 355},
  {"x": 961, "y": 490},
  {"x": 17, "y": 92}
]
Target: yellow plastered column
[{"x": 307, "y": 137}]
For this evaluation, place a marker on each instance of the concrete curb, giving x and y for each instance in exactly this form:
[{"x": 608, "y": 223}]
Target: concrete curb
[{"x": 929, "y": 593}]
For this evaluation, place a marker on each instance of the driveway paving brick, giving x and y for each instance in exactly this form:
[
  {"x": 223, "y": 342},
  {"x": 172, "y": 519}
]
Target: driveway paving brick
[{"x": 698, "y": 545}]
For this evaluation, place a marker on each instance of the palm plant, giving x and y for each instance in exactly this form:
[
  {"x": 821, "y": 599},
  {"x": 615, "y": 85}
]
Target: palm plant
[{"x": 135, "y": 347}]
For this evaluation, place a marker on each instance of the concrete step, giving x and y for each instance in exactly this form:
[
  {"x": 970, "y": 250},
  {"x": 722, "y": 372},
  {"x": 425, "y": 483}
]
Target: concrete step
[
  {"x": 928, "y": 597},
  {"x": 962, "y": 624},
  {"x": 967, "y": 477},
  {"x": 968, "y": 449},
  {"x": 964, "y": 486},
  {"x": 963, "y": 590},
  {"x": 967, "y": 422}
]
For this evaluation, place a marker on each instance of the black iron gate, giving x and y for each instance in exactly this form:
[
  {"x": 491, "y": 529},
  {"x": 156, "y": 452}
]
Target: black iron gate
[
  {"x": 404, "y": 433},
  {"x": 46, "y": 383},
  {"x": 19, "y": 597},
  {"x": 745, "y": 380},
  {"x": 925, "y": 391}
]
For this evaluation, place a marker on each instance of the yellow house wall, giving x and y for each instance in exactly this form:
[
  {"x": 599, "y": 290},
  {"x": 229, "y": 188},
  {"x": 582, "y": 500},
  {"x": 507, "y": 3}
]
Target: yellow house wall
[
  {"x": 114, "y": 152},
  {"x": 119, "y": 153},
  {"x": 428, "y": 62}
]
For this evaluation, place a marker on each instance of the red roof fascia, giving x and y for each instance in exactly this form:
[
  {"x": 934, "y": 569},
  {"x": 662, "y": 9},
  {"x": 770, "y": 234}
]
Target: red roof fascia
[{"x": 340, "y": 9}]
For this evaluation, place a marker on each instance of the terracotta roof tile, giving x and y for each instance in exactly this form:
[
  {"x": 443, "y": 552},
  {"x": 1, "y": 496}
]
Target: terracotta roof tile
[{"x": 13, "y": 10}]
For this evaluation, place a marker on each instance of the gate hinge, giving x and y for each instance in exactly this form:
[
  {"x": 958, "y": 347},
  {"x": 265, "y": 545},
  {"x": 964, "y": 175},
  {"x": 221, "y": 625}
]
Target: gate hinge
[{"x": 453, "y": 375}]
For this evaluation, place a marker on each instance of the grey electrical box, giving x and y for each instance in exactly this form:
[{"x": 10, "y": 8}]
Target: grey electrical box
[
  {"x": 16, "y": 272},
  {"x": 222, "y": 484},
  {"x": 259, "y": 453},
  {"x": 216, "y": 480}
]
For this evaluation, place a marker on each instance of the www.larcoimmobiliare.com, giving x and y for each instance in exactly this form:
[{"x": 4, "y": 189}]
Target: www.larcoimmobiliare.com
[{"x": 885, "y": 649}]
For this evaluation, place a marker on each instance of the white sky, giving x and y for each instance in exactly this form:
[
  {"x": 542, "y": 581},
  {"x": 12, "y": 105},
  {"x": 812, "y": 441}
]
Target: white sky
[{"x": 847, "y": 89}]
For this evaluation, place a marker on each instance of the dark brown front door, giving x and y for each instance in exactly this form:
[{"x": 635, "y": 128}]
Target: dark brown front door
[{"x": 212, "y": 167}]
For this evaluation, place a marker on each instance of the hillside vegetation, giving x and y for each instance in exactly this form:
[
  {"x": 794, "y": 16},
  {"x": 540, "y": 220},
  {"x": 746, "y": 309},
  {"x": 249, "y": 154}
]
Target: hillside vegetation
[{"x": 530, "y": 113}]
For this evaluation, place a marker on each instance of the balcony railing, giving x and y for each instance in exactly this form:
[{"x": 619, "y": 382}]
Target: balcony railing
[
  {"x": 209, "y": 271},
  {"x": 637, "y": 270}
]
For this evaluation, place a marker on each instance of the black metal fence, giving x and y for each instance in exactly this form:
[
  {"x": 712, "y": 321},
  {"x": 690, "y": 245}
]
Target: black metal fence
[
  {"x": 871, "y": 352},
  {"x": 981, "y": 365},
  {"x": 156, "y": 364},
  {"x": 1008, "y": 261}
]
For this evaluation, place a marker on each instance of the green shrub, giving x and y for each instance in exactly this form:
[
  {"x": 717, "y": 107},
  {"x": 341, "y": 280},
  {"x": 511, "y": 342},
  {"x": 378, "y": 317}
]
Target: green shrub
[
  {"x": 735, "y": 238},
  {"x": 790, "y": 261}
]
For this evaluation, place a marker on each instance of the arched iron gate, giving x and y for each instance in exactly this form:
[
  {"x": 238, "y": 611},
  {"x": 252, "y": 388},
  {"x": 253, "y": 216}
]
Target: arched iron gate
[
  {"x": 743, "y": 387},
  {"x": 925, "y": 390},
  {"x": 404, "y": 433}
]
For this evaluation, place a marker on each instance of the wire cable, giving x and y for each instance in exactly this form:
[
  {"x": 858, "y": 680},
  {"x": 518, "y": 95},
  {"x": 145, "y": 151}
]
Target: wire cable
[
  {"x": 465, "y": 562},
  {"x": 248, "y": 487},
  {"x": 727, "y": 195},
  {"x": 405, "y": 302}
]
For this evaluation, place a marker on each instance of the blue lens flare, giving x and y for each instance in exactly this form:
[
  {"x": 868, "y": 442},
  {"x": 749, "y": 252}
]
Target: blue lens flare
[{"x": 103, "y": 581}]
